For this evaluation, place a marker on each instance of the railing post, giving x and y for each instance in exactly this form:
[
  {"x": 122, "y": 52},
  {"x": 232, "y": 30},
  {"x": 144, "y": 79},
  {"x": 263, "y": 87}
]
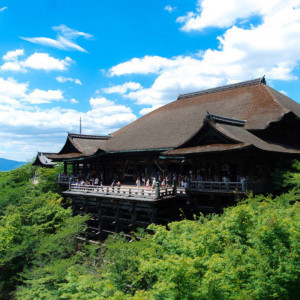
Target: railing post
[
  {"x": 157, "y": 190},
  {"x": 70, "y": 183},
  {"x": 174, "y": 188}
]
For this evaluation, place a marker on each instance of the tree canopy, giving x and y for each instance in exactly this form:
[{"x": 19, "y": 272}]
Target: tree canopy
[{"x": 250, "y": 251}]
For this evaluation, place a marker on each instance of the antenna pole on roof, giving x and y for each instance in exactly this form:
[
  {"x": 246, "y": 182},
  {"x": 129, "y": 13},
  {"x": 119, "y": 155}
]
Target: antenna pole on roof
[{"x": 80, "y": 125}]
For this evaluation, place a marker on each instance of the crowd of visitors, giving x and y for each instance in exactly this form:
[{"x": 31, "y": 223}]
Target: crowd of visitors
[
  {"x": 148, "y": 182},
  {"x": 142, "y": 181}
]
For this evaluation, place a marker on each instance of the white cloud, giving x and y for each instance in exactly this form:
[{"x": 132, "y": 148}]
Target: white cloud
[
  {"x": 27, "y": 128},
  {"x": 64, "y": 39},
  {"x": 12, "y": 92},
  {"x": 123, "y": 88},
  {"x": 74, "y": 101},
  {"x": 37, "y": 61},
  {"x": 38, "y": 96},
  {"x": 169, "y": 8},
  {"x": 146, "y": 65},
  {"x": 271, "y": 48},
  {"x": 43, "y": 61},
  {"x": 63, "y": 79},
  {"x": 218, "y": 13},
  {"x": 106, "y": 105},
  {"x": 11, "y": 88},
  {"x": 12, "y": 66},
  {"x": 11, "y": 61},
  {"x": 70, "y": 33},
  {"x": 3, "y": 8},
  {"x": 13, "y": 55}
]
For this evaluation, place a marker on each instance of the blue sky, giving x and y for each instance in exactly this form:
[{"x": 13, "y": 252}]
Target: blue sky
[{"x": 111, "y": 62}]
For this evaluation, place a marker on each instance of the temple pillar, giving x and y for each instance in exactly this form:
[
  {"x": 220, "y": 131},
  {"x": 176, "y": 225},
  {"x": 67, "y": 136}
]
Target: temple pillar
[
  {"x": 165, "y": 169},
  {"x": 217, "y": 171},
  {"x": 153, "y": 215},
  {"x": 100, "y": 221},
  {"x": 117, "y": 213},
  {"x": 133, "y": 215},
  {"x": 84, "y": 169},
  {"x": 135, "y": 175}
]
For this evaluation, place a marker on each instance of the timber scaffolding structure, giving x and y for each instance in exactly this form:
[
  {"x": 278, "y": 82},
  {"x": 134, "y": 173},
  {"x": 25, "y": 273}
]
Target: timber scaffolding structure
[
  {"x": 222, "y": 142},
  {"x": 124, "y": 209},
  {"x": 115, "y": 209}
]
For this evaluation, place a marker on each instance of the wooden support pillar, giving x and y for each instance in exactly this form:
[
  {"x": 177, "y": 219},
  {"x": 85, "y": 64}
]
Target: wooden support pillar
[
  {"x": 100, "y": 220},
  {"x": 134, "y": 170},
  {"x": 86, "y": 211},
  {"x": 84, "y": 170},
  {"x": 117, "y": 213},
  {"x": 73, "y": 167},
  {"x": 157, "y": 190},
  {"x": 206, "y": 171},
  {"x": 194, "y": 169},
  {"x": 65, "y": 167},
  {"x": 153, "y": 215},
  {"x": 217, "y": 167},
  {"x": 76, "y": 168},
  {"x": 133, "y": 215},
  {"x": 252, "y": 165},
  {"x": 165, "y": 169}
]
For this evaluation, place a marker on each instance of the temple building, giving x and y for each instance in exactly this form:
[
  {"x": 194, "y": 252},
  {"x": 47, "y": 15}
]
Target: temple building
[
  {"x": 236, "y": 130},
  {"x": 222, "y": 141}
]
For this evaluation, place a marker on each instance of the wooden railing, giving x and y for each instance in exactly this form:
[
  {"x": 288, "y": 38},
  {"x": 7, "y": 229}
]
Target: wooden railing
[
  {"x": 65, "y": 178},
  {"x": 123, "y": 191},
  {"x": 230, "y": 186}
]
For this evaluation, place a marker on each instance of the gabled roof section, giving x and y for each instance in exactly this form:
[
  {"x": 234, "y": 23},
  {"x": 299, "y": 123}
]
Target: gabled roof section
[
  {"x": 210, "y": 134},
  {"x": 43, "y": 160},
  {"x": 88, "y": 144},
  {"x": 81, "y": 145},
  {"x": 237, "y": 133}
]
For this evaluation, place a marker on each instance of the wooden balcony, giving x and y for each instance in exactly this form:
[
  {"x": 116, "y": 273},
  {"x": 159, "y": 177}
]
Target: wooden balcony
[
  {"x": 159, "y": 193},
  {"x": 127, "y": 192}
]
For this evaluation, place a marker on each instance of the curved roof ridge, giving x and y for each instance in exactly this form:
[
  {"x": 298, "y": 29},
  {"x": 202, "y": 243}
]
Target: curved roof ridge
[
  {"x": 224, "y": 88},
  {"x": 88, "y": 136}
]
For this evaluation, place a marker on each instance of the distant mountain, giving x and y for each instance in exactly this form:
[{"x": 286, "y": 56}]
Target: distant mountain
[{"x": 7, "y": 164}]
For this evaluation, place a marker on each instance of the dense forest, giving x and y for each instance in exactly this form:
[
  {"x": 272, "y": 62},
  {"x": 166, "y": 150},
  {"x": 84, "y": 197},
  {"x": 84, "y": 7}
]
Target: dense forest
[{"x": 251, "y": 251}]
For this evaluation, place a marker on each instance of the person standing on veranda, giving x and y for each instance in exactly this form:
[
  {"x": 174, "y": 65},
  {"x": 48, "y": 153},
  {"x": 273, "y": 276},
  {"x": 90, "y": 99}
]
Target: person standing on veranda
[{"x": 138, "y": 183}]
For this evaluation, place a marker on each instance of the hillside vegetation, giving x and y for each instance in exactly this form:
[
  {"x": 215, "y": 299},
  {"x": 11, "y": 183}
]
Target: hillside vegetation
[{"x": 251, "y": 251}]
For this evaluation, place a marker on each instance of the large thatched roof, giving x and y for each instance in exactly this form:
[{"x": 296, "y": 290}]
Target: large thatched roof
[{"x": 173, "y": 124}]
